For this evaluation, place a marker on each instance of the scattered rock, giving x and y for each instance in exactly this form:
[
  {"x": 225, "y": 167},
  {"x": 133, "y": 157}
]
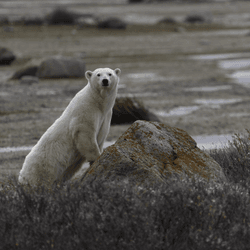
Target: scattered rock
[
  {"x": 61, "y": 16},
  {"x": 151, "y": 152},
  {"x": 128, "y": 110},
  {"x": 135, "y": 1},
  {"x": 167, "y": 20},
  {"x": 194, "y": 18},
  {"x": 33, "y": 21},
  {"x": 112, "y": 23},
  {"x": 28, "y": 80},
  {"x": 61, "y": 67},
  {"x": 6, "y": 56}
]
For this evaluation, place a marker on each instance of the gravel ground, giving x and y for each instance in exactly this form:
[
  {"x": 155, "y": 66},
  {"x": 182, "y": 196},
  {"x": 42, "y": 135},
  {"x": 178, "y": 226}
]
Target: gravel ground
[{"x": 155, "y": 65}]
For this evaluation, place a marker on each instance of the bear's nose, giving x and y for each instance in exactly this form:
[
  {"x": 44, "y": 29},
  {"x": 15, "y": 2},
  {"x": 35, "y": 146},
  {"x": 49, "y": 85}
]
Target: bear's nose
[{"x": 105, "y": 82}]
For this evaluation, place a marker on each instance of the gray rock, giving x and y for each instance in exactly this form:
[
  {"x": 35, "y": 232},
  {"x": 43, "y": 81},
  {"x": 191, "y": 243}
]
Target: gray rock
[
  {"x": 53, "y": 67},
  {"x": 112, "y": 23},
  {"x": 26, "y": 71},
  {"x": 151, "y": 152},
  {"x": 202, "y": 17},
  {"x": 29, "y": 69},
  {"x": 6, "y": 56},
  {"x": 167, "y": 20},
  {"x": 61, "y": 67}
]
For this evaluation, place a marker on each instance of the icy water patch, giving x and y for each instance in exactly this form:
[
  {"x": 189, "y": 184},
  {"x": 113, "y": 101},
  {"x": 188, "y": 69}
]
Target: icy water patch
[
  {"x": 208, "y": 88},
  {"x": 145, "y": 77},
  {"x": 234, "y": 64},
  {"x": 141, "y": 19},
  {"x": 230, "y": 32},
  {"x": 15, "y": 149},
  {"x": 242, "y": 77},
  {"x": 182, "y": 110},
  {"x": 243, "y": 114},
  {"x": 217, "y": 102},
  {"x": 147, "y": 94},
  {"x": 235, "y": 61},
  {"x": 185, "y": 110},
  {"x": 219, "y": 56},
  {"x": 208, "y": 142}
]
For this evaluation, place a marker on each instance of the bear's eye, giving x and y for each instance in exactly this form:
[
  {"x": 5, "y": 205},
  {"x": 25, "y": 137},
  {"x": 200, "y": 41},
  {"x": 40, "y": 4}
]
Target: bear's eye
[
  {"x": 98, "y": 75},
  {"x": 110, "y": 74}
]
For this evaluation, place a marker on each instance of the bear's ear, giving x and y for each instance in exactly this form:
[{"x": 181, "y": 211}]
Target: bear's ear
[
  {"x": 117, "y": 71},
  {"x": 88, "y": 74}
]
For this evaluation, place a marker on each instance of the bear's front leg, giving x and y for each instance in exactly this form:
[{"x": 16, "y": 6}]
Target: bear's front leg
[
  {"x": 104, "y": 130},
  {"x": 87, "y": 145}
]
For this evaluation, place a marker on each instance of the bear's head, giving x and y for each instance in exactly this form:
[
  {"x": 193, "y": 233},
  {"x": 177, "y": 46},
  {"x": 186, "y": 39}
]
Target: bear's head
[{"x": 103, "y": 78}]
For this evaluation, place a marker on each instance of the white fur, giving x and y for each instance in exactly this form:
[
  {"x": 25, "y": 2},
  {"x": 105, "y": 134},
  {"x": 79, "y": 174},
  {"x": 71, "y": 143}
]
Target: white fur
[{"x": 78, "y": 135}]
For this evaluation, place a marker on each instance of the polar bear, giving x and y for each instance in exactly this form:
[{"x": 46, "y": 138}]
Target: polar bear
[{"x": 77, "y": 136}]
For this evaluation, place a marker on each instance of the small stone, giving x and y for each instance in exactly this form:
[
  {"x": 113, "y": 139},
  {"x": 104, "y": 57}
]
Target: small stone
[{"x": 28, "y": 80}]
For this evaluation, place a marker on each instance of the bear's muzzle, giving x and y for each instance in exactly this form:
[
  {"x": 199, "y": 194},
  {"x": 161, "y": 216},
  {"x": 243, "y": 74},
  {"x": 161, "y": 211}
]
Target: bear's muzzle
[{"x": 105, "y": 82}]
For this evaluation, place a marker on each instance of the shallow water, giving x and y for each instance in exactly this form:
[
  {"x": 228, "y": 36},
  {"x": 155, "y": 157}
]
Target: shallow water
[
  {"x": 15, "y": 149},
  {"x": 147, "y": 76},
  {"x": 185, "y": 110},
  {"x": 182, "y": 110},
  {"x": 217, "y": 101},
  {"x": 241, "y": 77},
  {"x": 234, "y": 64},
  {"x": 208, "y": 88},
  {"x": 231, "y": 32},
  {"x": 235, "y": 61},
  {"x": 219, "y": 56},
  {"x": 147, "y": 94}
]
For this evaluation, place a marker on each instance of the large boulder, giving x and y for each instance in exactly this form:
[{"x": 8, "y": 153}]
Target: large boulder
[
  {"x": 6, "y": 56},
  {"x": 53, "y": 67},
  {"x": 151, "y": 152}
]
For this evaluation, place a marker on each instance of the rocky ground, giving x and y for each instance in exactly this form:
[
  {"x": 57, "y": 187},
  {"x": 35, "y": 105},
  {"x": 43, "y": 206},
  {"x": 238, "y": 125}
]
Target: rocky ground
[{"x": 194, "y": 95}]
